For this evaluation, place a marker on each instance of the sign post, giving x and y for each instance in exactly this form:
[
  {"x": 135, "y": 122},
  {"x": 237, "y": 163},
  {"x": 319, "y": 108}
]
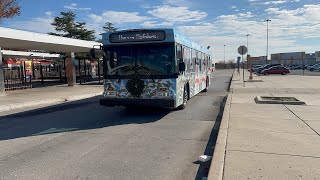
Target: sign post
[
  {"x": 242, "y": 50},
  {"x": 302, "y": 63},
  {"x": 238, "y": 65}
]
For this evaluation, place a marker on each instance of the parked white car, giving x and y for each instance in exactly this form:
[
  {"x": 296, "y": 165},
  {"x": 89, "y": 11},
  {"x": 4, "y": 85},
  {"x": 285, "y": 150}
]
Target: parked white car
[{"x": 315, "y": 67}]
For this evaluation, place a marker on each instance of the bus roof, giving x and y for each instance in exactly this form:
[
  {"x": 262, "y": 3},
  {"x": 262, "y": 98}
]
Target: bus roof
[{"x": 178, "y": 37}]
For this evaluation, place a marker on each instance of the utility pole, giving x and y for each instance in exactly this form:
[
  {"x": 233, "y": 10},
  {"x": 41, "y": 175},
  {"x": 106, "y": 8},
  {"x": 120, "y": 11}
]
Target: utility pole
[
  {"x": 302, "y": 57},
  {"x": 268, "y": 20},
  {"x": 224, "y": 55},
  {"x": 249, "y": 61}
]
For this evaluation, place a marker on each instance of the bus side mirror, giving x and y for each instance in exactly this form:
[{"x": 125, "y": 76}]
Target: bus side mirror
[
  {"x": 182, "y": 67},
  {"x": 93, "y": 53}
]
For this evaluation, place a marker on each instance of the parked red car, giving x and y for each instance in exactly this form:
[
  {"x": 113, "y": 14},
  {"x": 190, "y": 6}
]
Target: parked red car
[{"x": 276, "y": 70}]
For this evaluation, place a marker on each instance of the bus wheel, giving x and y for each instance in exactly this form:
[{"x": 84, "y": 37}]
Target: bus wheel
[
  {"x": 185, "y": 99},
  {"x": 207, "y": 84}
]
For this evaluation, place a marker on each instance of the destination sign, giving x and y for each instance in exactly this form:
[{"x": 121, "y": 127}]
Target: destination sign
[{"x": 137, "y": 36}]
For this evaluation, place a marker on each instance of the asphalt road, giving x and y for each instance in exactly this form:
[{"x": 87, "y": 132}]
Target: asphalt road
[{"x": 82, "y": 140}]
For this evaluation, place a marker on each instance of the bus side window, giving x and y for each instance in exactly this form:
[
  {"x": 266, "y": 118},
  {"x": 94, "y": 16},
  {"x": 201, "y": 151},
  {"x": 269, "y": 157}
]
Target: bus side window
[
  {"x": 201, "y": 62},
  {"x": 187, "y": 58},
  {"x": 194, "y": 60},
  {"x": 198, "y": 63},
  {"x": 179, "y": 53},
  {"x": 205, "y": 62}
]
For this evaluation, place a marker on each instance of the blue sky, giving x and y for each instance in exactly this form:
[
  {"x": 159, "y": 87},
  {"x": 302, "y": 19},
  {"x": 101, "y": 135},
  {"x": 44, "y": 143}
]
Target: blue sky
[{"x": 295, "y": 24}]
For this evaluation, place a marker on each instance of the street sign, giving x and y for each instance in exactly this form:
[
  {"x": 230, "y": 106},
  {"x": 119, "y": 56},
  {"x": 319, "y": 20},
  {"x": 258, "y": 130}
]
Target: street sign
[{"x": 242, "y": 50}]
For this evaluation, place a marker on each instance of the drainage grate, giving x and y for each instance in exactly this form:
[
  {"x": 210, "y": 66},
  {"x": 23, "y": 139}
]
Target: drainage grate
[{"x": 278, "y": 100}]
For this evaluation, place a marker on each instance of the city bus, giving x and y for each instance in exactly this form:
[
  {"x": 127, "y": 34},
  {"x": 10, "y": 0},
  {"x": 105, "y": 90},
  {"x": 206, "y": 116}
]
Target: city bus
[{"x": 153, "y": 67}]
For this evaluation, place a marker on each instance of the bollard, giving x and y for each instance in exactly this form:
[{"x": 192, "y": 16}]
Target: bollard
[{"x": 250, "y": 72}]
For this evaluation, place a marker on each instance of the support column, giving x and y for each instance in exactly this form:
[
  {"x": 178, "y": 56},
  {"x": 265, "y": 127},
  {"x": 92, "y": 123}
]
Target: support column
[
  {"x": 70, "y": 69},
  {"x": 99, "y": 70},
  {"x": 2, "y": 88}
]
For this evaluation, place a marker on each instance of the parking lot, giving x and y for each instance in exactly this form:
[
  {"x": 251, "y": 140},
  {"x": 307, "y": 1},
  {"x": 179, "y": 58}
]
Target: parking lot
[
  {"x": 306, "y": 72},
  {"x": 301, "y": 72}
]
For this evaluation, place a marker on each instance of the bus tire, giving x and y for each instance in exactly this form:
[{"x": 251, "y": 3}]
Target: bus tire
[
  {"x": 185, "y": 99},
  {"x": 207, "y": 85}
]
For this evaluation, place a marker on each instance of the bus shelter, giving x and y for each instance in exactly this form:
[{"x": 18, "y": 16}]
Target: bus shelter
[
  {"x": 24, "y": 70},
  {"x": 39, "y": 57}
]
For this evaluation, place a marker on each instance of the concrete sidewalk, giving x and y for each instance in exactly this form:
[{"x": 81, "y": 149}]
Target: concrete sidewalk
[
  {"x": 29, "y": 98},
  {"x": 269, "y": 141}
]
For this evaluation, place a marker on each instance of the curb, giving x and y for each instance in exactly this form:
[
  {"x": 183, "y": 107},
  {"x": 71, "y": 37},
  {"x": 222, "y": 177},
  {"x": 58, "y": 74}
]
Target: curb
[
  {"x": 15, "y": 106},
  {"x": 217, "y": 164}
]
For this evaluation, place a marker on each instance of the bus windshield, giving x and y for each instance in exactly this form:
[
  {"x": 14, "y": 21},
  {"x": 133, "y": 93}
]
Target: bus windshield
[{"x": 147, "y": 59}]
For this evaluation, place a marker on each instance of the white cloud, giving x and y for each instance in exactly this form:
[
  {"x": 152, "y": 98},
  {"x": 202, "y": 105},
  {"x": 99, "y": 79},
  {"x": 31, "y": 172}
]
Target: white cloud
[
  {"x": 118, "y": 17},
  {"x": 233, "y": 7},
  {"x": 274, "y": 2},
  {"x": 74, "y": 6},
  {"x": 177, "y": 3},
  {"x": 246, "y": 15},
  {"x": 39, "y": 24},
  {"x": 177, "y": 14},
  {"x": 150, "y": 24},
  {"x": 306, "y": 15},
  {"x": 120, "y": 20},
  {"x": 49, "y": 13},
  {"x": 287, "y": 31}
]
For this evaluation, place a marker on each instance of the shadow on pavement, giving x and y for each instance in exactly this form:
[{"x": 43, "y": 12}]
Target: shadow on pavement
[
  {"x": 204, "y": 167},
  {"x": 73, "y": 116}
]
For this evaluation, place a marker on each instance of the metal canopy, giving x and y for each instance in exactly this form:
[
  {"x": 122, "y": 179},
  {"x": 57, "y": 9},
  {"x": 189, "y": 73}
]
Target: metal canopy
[
  {"x": 24, "y": 40},
  {"x": 29, "y": 55}
]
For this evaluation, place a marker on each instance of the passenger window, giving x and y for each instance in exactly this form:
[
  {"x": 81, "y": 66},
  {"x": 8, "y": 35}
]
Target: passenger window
[
  {"x": 179, "y": 53},
  {"x": 200, "y": 60},
  {"x": 187, "y": 58},
  {"x": 194, "y": 60}
]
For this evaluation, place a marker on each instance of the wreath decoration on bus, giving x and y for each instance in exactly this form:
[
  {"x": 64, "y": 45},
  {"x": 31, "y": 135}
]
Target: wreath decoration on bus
[{"x": 135, "y": 86}]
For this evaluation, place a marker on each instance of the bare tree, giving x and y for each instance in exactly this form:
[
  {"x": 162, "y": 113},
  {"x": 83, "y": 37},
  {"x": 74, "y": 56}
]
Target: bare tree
[{"x": 9, "y": 9}]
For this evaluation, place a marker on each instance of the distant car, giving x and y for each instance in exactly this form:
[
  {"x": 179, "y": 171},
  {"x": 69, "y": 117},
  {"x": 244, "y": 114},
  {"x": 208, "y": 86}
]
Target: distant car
[
  {"x": 304, "y": 66},
  {"x": 295, "y": 66},
  {"x": 258, "y": 71},
  {"x": 311, "y": 67},
  {"x": 254, "y": 67},
  {"x": 276, "y": 70},
  {"x": 315, "y": 67}
]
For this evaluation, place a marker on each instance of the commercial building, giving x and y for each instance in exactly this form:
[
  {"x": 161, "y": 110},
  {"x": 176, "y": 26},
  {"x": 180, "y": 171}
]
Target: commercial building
[
  {"x": 258, "y": 60},
  {"x": 292, "y": 58},
  {"x": 317, "y": 54}
]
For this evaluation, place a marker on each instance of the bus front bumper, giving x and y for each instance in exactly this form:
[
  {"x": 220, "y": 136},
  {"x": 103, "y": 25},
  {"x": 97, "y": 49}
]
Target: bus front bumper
[{"x": 111, "y": 102}]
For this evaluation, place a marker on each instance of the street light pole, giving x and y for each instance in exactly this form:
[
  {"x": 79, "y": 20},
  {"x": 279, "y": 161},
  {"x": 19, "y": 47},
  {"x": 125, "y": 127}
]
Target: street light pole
[
  {"x": 224, "y": 54},
  {"x": 268, "y": 20},
  {"x": 250, "y": 63},
  {"x": 248, "y": 42}
]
